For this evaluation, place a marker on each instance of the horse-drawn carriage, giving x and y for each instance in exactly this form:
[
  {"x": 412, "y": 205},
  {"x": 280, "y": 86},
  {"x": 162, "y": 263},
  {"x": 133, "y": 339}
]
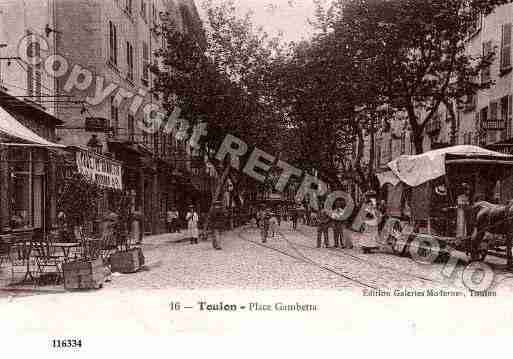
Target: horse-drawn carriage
[{"x": 451, "y": 195}]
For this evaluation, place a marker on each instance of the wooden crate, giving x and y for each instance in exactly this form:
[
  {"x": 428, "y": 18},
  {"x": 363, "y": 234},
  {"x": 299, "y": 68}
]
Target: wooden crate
[
  {"x": 128, "y": 261},
  {"x": 84, "y": 274}
]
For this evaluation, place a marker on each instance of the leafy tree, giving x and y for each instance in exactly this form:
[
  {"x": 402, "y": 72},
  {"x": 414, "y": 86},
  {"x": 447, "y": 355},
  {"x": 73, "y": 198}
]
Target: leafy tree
[
  {"x": 416, "y": 49},
  {"x": 78, "y": 199},
  {"x": 329, "y": 102}
]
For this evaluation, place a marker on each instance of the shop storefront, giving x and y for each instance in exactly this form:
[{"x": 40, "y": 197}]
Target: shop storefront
[
  {"x": 27, "y": 166},
  {"x": 104, "y": 174}
]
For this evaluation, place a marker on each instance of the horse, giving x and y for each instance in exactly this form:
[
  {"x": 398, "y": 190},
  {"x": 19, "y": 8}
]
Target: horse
[{"x": 490, "y": 218}]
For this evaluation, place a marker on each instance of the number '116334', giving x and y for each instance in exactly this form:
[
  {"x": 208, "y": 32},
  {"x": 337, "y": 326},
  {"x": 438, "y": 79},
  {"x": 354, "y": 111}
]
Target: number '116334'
[{"x": 67, "y": 343}]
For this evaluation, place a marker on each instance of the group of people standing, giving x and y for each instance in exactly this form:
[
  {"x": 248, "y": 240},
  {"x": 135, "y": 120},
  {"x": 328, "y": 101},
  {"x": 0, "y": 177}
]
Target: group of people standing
[
  {"x": 192, "y": 219},
  {"x": 269, "y": 222},
  {"x": 335, "y": 219}
]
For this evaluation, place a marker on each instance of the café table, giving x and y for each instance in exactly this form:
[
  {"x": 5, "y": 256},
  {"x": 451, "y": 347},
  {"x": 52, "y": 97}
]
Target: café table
[
  {"x": 25, "y": 250},
  {"x": 66, "y": 247}
]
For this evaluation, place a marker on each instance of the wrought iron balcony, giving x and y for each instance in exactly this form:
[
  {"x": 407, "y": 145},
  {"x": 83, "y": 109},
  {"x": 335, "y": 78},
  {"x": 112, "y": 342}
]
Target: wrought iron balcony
[{"x": 493, "y": 125}]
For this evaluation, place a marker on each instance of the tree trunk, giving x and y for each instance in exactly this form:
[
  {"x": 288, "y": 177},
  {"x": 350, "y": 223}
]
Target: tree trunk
[
  {"x": 418, "y": 142},
  {"x": 220, "y": 186},
  {"x": 416, "y": 128}
]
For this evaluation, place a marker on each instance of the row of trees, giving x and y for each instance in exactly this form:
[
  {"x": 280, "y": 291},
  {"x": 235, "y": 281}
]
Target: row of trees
[
  {"x": 219, "y": 77},
  {"x": 314, "y": 102},
  {"x": 369, "y": 61}
]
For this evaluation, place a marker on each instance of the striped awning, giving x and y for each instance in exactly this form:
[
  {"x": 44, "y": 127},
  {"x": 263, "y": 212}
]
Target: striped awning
[{"x": 12, "y": 128}]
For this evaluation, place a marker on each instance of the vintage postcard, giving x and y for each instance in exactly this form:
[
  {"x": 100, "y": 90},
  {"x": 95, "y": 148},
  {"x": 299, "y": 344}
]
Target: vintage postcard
[{"x": 241, "y": 167}]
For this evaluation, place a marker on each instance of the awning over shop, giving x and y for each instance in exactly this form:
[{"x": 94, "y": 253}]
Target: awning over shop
[{"x": 13, "y": 128}]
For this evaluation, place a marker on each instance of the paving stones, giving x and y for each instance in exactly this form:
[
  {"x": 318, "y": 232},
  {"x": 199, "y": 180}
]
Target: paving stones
[{"x": 290, "y": 262}]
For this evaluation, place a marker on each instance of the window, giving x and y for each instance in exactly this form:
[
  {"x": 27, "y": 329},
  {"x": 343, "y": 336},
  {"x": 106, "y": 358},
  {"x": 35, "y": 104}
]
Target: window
[
  {"x": 487, "y": 53},
  {"x": 156, "y": 142},
  {"x": 143, "y": 10},
  {"x": 154, "y": 14},
  {"x": 131, "y": 128},
  {"x": 483, "y": 116},
  {"x": 403, "y": 143},
  {"x": 506, "y": 111},
  {"x": 163, "y": 141},
  {"x": 506, "y": 47},
  {"x": 145, "y": 64},
  {"x": 493, "y": 111},
  {"x": 113, "y": 44},
  {"x": 130, "y": 61},
  {"x": 476, "y": 23},
  {"x": 470, "y": 103},
  {"x": 114, "y": 116},
  {"x": 128, "y": 6},
  {"x": 467, "y": 138}
]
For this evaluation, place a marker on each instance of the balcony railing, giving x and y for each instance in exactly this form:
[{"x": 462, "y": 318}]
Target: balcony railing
[
  {"x": 502, "y": 148},
  {"x": 493, "y": 125}
]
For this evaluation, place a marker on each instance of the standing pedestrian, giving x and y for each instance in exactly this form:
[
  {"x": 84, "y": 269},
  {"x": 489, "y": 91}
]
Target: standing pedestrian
[
  {"x": 169, "y": 221},
  {"x": 218, "y": 223},
  {"x": 338, "y": 222},
  {"x": 322, "y": 228},
  {"x": 136, "y": 231},
  {"x": 370, "y": 238},
  {"x": 266, "y": 222},
  {"x": 172, "y": 219},
  {"x": 192, "y": 219},
  {"x": 294, "y": 215},
  {"x": 273, "y": 224}
]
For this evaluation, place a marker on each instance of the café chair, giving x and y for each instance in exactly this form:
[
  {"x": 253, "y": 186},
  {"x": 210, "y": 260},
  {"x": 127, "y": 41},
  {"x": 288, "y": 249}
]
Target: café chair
[{"x": 48, "y": 259}]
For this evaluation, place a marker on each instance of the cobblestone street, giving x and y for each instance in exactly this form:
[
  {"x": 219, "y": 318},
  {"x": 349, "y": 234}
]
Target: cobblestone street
[{"x": 287, "y": 261}]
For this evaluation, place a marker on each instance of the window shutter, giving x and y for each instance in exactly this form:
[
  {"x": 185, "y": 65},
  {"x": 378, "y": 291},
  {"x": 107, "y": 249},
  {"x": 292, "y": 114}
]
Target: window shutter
[
  {"x": 506, "y": 47},
  {"x": 508, "y": 119},
  {"x": 501, "y": 118},
  {"x": 477, "y": 122},
  {"x": 115, "y": 44},
  {"x": 146, "y": 62},
  {"x": 485, "y": 72},
  {"x": 30, "y": 80},
  {"x": 37, "y": 89},
  {"x": 493, "y": 111}
]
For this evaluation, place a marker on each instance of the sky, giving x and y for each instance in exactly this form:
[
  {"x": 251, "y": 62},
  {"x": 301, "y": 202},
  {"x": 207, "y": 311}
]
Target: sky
[{"x": 288, "y": 16}]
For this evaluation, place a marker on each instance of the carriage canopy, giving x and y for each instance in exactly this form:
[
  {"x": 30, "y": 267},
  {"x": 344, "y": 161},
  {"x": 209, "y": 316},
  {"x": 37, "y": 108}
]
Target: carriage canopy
[{"x": 415, "y": 170}]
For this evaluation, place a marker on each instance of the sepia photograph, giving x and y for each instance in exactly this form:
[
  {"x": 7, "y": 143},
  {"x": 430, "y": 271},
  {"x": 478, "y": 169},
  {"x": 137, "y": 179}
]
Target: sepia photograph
[{"x": 213, "y": 167}]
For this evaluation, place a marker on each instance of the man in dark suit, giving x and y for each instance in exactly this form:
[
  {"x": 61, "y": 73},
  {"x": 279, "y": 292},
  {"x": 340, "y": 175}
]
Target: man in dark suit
[{"x": 322, "y": 228}]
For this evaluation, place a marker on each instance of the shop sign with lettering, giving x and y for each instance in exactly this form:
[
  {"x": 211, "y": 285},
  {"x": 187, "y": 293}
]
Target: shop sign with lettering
[{"x": 100, "y": 170}]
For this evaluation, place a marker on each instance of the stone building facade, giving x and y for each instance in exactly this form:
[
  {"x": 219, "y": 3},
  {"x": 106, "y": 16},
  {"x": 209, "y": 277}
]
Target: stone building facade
[
  {"x": 485, "y": 119},
  {"x": 100, "y": 87}
]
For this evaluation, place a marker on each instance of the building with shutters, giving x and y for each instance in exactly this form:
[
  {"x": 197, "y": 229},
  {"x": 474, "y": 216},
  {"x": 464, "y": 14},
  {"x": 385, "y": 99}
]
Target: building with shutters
[
  {"x": 485, "y": 119},
  {"x": 108, "y": 46}
]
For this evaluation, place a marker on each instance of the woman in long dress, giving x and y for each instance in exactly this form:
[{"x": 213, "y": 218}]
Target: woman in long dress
[{"x": 192, "y": 219}]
